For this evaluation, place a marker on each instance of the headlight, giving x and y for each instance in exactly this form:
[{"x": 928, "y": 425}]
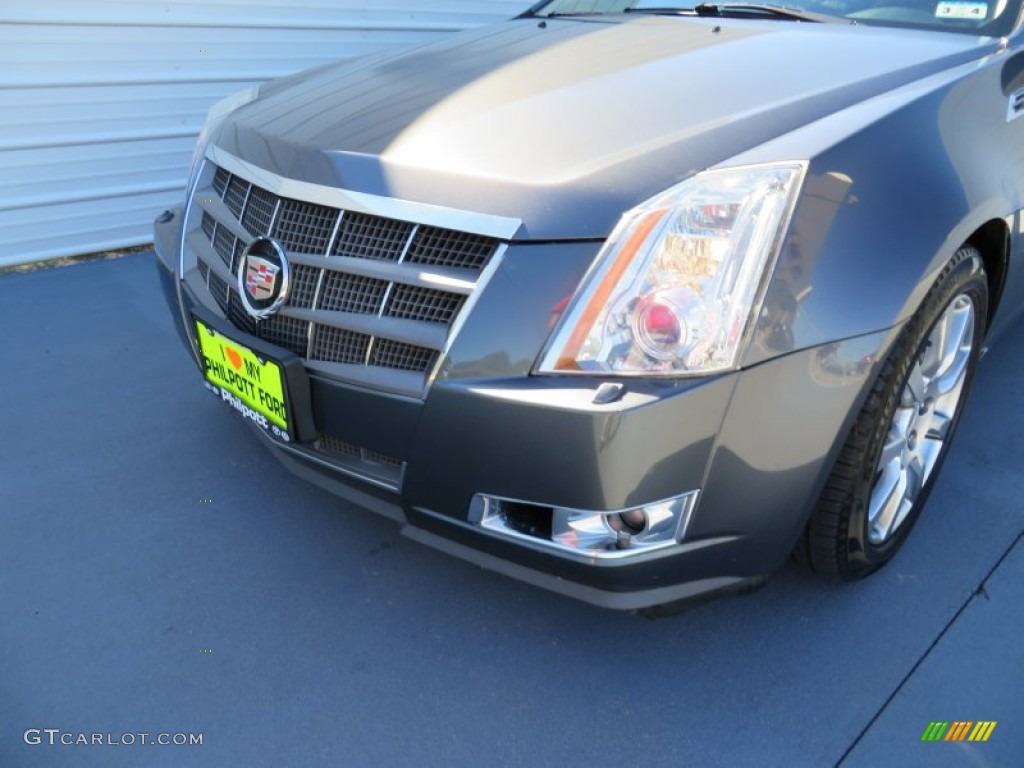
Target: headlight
[
  {"x": 675, "y": 287},
  {"x": 214, "y": 118}
]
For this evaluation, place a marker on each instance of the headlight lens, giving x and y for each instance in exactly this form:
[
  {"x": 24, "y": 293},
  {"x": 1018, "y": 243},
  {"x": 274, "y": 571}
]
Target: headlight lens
[
  {"x": 214, "y": 118},
  {"x": 673, "y": 290}
]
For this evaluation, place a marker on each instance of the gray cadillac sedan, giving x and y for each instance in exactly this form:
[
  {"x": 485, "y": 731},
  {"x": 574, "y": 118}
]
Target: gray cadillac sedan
[{"x": 626, "y": 299}]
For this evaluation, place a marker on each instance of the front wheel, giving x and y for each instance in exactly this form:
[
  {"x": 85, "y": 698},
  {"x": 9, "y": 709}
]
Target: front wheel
[{"x": 893, "y": 454}]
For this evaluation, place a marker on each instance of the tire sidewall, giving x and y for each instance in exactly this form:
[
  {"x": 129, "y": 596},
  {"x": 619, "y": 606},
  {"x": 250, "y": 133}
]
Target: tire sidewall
[{"x": 966, "y": 276}]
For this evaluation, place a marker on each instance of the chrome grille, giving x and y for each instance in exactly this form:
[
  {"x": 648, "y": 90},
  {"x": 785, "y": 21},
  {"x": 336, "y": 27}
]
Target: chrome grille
[{"x": 367, "y": 293}]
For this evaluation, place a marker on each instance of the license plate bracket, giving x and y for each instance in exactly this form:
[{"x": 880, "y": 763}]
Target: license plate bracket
[{"x": 266, "y": 385}]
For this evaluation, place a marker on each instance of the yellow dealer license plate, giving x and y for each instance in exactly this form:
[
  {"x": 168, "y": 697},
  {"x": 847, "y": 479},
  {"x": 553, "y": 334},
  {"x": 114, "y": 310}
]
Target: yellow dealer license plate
[{"x": 251, "y": 385}]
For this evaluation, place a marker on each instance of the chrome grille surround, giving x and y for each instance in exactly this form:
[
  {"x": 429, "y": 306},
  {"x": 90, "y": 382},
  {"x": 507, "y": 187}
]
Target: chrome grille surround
[{"x": 381, "y": 286}]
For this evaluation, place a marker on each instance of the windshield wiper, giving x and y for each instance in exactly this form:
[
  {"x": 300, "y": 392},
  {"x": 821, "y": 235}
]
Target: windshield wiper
[
  {"x": 538, "y": 12},
  {"x": 666, "y": 11},
  {"x": 706, "y": 9},
  {"x": 743, "y": 10},
  {"x": 578, "y": 14},
  {"x": 778, "y": 11}
]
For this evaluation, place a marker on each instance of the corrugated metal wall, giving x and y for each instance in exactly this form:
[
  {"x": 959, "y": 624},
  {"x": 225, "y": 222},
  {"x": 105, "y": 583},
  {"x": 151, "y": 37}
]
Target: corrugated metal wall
[{"x": 100, "y": 100}]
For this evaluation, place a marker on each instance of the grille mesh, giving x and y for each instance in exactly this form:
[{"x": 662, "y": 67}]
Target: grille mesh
[
  {"x": 406, "y": 357},
  {"x": 209, "y": 225},
  {"x": 371, "y": 237},
  {"x": 258, "y": 212},
  {"x": 235, "y": 194},
  {"x": 447, "y": 248},
  {"x": 321, "y": 231},
  {"x": 332, "y": 444},
  {"x": 334, "y": 345},
  {"x": 219, "y": 289},
  {"x": 239, "y": 247},
  {"x": 413, "y": 303},
  {"x": 237, "y": 315},
  {"x": 304, "y": 282},
  {"x": 352, "y": 293},
  {"x": 288, "y": 332},
  {"x": 224, "y": 244},
  {"x": 220, "y": 181},
  {"x": 305, "y": 227}
]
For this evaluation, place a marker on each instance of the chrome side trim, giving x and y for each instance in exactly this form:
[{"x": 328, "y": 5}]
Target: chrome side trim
[
  {"x": 408, "y": 331},
  {"x": 445, "y": 278},
  {"x": 538, "y": 546},
  {"x": 186, "y": 213},
  {"x": 499, "y": 227}
]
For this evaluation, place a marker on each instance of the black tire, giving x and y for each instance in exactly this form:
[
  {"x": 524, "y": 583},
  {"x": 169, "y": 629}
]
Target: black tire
[{"x": 837, "y": 541}]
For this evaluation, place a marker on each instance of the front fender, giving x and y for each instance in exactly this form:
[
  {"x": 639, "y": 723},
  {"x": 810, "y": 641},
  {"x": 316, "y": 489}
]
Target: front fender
[{"x": 887, "y": 204}]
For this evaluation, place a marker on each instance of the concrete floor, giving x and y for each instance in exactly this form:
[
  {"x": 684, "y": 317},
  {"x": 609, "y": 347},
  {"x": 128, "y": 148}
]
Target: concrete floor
[{"x": 161, "y": 573}]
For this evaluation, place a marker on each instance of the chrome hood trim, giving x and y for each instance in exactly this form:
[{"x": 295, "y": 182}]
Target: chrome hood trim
[{"x": 500, "y": 227}]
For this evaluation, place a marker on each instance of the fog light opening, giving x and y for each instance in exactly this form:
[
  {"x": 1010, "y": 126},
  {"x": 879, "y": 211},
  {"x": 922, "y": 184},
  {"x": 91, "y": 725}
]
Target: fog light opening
[{"x": 584, "y": 533}]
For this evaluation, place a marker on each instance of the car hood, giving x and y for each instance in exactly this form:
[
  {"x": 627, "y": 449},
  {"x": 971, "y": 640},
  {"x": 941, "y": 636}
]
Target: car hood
[{"x": 565, "y": 124}]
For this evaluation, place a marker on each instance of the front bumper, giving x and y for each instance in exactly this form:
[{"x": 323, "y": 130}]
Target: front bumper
[{"x": 757, "y": 445}]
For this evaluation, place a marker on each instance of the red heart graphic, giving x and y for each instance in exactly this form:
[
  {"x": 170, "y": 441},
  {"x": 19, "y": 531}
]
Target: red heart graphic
[{"x": 234, "y": 358}]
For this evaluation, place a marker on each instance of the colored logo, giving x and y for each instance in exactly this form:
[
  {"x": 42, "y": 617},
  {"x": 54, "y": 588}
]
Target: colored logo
[
  {"x": 260, "y": 278},
  {"x": 264, "y": 277},
  {"x": 959, "y": 730}
]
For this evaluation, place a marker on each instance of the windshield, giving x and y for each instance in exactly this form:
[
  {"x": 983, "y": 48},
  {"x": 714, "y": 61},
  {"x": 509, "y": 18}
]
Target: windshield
[{"x": 975, "y": 17}]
